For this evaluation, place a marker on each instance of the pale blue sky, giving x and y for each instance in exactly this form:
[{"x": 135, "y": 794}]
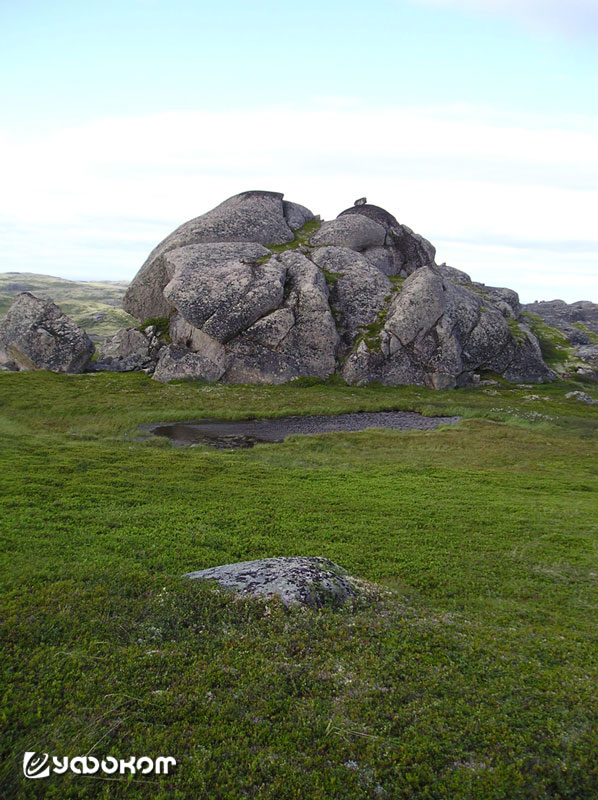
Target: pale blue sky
[{"x": 474, "y": 121}]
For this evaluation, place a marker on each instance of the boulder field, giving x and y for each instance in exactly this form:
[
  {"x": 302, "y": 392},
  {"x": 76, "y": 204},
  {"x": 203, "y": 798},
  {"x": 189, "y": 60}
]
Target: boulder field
[{"x": 260, "y": 290}]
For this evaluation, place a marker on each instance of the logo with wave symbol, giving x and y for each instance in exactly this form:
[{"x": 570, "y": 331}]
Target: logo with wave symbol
[{"x": 36, "y": 766}]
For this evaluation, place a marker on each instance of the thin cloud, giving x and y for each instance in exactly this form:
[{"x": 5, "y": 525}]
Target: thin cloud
[
  {"x": 91, "y": 202},
  {"x": 570, "y": 17}
]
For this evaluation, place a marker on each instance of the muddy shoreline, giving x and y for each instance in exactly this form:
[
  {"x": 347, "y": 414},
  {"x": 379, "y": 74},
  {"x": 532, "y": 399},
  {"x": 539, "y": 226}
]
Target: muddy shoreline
[{"x": 226, "y": 434}]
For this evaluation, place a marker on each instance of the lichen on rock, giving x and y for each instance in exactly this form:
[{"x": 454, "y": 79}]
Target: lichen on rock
[
  {"x": 35, "y": 334},
  {"x": 306, "y": 581},
  {"x": 285, "y": 296}
]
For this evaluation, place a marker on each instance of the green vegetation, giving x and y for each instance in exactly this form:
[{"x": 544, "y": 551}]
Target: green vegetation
[
  {"x": 337, "y": 316},
  {"x": 302, "y": 237},
  {"x": 479, "y": 290},
  {"x": 555, "y": 347},
  {"x": 470, "y": 674},
  {"x": 331, "y": 278},
  {"x": 95, "y": 305},
  {"x": 162, "y": 325},
  {"x": 592, "y": 335},
  {"x": 371, "y": 333},
  {"x": 516, "y": 332}
]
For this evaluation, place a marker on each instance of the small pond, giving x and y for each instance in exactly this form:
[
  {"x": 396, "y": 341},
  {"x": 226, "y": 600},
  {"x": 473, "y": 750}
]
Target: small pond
[{"x": 226, "y": 434}]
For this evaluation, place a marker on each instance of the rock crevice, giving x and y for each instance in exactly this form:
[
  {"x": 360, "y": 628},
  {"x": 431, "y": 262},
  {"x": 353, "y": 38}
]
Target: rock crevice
[{"x": 283, "y": 306}]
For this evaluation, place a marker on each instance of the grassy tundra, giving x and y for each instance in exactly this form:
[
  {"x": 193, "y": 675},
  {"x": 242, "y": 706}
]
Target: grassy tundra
[{"x": 469, "y": 672}]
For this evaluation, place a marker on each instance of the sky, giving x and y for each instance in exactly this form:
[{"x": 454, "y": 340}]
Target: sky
[{"x": 475, "y": 122}]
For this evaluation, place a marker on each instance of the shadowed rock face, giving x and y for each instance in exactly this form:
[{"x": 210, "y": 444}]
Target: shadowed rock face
[
  {"x": 441, "y": 333},
  {"x": 296, "y": 581},
  {"x": 129, "y": 350},
  {"x": 35, "y": 334},
  {"x": 251, "y": 302},
  {"x": 408, "y": 250}
]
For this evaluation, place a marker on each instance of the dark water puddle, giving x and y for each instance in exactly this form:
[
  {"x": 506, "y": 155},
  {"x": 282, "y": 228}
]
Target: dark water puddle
[{"x": 226, "y": 434}]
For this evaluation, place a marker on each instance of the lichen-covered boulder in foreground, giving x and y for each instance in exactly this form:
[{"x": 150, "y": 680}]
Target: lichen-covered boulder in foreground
[
  {"x": 307, "y": 581},
  {"x": 581, "y": 397},
  {"x": 35, "y": 334}
]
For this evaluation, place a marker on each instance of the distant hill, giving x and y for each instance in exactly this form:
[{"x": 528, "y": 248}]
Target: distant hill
[{"x": 95, "y": 305}]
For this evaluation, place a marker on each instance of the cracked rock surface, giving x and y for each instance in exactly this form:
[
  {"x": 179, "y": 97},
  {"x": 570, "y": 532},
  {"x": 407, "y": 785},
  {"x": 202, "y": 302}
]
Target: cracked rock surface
[
  {"x": 258, "y": 291},
  {"x": 35, "y": 334},
  {"x": 307, "y": 581}
]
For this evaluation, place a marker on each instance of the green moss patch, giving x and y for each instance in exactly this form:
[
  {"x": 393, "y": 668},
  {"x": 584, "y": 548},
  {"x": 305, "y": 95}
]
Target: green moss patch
[
  {"x": 302, "y": 237},
  {"x": 331, "y": 278},
  {"x": 370, "y": 334},
  {"x": 555, "y": 347},
  {"x": 162, "y": 325},
  {"x": 592, "y": 335},
  {"x": 516, "y": 332}
]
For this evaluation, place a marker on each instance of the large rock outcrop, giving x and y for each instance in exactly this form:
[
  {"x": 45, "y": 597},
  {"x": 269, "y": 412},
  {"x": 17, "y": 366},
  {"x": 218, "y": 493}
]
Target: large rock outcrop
[
  {"x": 35, "y": 334},
  {"x": 258, "y": 291},
  {"x": 441, "y": 333}
]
